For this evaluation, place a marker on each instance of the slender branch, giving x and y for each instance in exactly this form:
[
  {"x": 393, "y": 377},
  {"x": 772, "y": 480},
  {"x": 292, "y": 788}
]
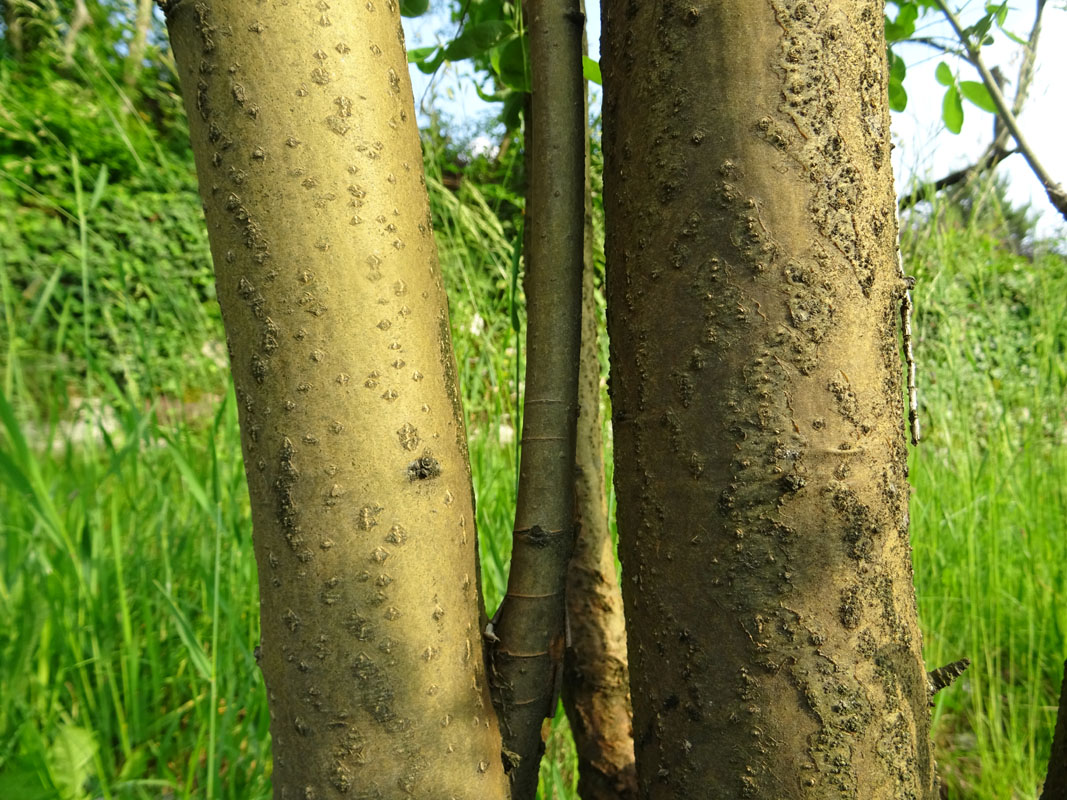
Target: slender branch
[
  {"x": 943, "y": 677},
  {"x": 1056, "y": 194},
  {"x": 933, "y": 43},
  {"x": 988, "y": 161},
  {"x": 1025, "y": 77},
  {"x": 141, "y": 25},
  {"x": 1026, "y": 68},
  {"x": 13, "y": 30},
  {"x": 528, "y": 634},
  {"x": 80, "y": 19}
]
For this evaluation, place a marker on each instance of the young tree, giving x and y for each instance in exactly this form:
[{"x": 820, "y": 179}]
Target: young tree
[
  {"x": 142, "y": 24},
  {"x": 530, "y": 638},
  {"x": 760, "y": 453},
  {"x": 596, "y": 683}
]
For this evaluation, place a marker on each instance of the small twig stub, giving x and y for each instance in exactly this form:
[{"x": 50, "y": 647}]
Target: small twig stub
[{"x": 943, "y": 677}]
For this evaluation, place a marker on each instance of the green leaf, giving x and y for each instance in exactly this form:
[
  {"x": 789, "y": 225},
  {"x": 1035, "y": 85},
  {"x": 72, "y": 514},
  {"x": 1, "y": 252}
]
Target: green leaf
[
  {"x": 904, "y": 25},
  {"x": 511, "y": 115},
  {"x": 1015, "y": 38},
  {"x": 13, "y": 476},
  {"x": 69, "y": 759},
  {"x": 200, "y": 660},
  {"x": 14, "y": 431},
  {"x": 417, "y": 54},
  {"x": 24, "y": 783},
  {"x": 952, "y": 110},
  {"x": 977, "y": 93},
  {"x": 491, "y": 97},
  {"x": 944, "y": 75},
  {"x": 512, "y": 70},
  {"x": 898, "y": 98},
  {"x": 1000, "y": 12},
  {"x": 897, "y": 68},
  {"x": 430, "y": 67},
  {"x": 98, "y": 188},
  {"x": 477, "y": 40},
  {"x": 414, "y": 8},
  {"x": 591, "y": 70},
  {"x": 979, "y": 32},
  {"x": 191, "y": 481}
]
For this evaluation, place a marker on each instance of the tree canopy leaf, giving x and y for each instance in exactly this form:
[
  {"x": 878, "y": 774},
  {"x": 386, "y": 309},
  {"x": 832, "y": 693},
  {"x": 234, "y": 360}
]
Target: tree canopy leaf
[
  {"x": 977, "y": 93},
  {"x": 952, "y": 110}
]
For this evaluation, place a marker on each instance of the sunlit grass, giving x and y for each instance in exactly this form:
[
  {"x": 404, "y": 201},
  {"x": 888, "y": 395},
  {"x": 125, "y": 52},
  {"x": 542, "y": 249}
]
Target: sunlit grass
[{"x": 990, "y": 503}]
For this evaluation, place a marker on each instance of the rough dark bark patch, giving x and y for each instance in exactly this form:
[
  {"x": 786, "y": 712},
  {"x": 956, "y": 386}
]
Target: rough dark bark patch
[{"x": 1056, "y": 779}]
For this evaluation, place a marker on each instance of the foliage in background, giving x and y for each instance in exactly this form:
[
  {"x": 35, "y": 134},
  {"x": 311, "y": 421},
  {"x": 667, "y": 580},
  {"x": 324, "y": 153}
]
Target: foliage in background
[
  {"x": 989, "y": 493},
  {"x": 491, "y": 35},
  {"x": 901, "y": 28}
]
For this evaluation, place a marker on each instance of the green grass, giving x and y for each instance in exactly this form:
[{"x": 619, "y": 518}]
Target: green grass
[
  {"x": 128, "y": 596},
  {"x": 990, "y": 503}
]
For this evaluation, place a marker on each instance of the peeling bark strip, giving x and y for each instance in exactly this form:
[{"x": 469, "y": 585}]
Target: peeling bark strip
[
  {"x": 759, "y": 437},
  {"x": 596, "y": 682},
  {"x": 302, "y": 122},
  {"x": 528, "y": 657}
]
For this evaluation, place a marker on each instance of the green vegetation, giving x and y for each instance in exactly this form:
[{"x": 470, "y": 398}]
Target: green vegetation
[
  {"x": 990, "y": 497},
  {"x": 128, "y": 597}
]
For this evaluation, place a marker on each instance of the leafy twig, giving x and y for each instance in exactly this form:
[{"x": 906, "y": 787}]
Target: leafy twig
[{"x": 1056, "y": 194}]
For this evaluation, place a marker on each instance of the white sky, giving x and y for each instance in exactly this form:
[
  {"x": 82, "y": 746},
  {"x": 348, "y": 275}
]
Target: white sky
[{"x": 923, "y": 144}]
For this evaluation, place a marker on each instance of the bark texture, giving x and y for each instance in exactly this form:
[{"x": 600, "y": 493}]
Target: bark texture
[
  {"x": 310, "y": 169},
  {"x": 528, "y": 658},
  {"x": 596, "y": 683},
  {"x": 759, "y": 440}
]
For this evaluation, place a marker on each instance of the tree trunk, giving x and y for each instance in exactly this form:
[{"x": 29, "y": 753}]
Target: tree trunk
[
  {"x": 303, "y": 127},
  {"x": 14, "y": 31},
  {"x": 79, "y": 19},
  {"x": 759, "y": 439}
]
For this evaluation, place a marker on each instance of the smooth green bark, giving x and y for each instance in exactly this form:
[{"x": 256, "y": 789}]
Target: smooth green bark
[{"x": 528, "y": 658}]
